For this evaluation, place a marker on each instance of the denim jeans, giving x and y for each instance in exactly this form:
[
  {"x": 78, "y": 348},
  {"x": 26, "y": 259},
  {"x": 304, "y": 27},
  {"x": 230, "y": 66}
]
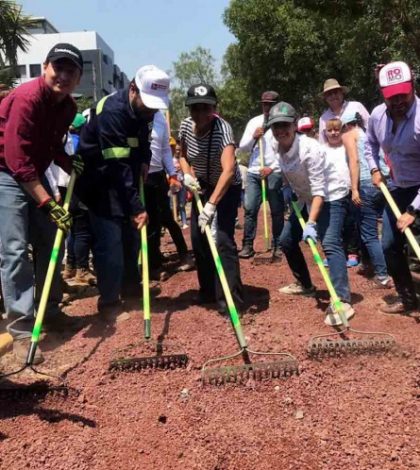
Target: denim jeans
[
  {"x": 21, "y": 224},
  {"x": 253, "y": 201},
  {"x": 79, "y": 241},
  {"x": 367, "y": 216},
  {"x": 330, "y": 228},
  {"x": 115, "y": 253},
  {"x": 208, "y": 279},
  {"x": 393, "y": 243}
]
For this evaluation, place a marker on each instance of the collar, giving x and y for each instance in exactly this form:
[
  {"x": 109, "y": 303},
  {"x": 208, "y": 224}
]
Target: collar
[
  {"x": 410, "y": 112},
  {"x": 289, "y": 155}
]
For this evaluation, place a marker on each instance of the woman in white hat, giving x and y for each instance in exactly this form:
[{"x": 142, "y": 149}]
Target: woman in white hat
[{"x": 333, "y": 94}]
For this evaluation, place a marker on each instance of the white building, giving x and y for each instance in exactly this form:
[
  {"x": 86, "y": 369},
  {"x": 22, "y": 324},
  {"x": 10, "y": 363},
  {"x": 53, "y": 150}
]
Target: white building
[{"x": 100, "y": 74}]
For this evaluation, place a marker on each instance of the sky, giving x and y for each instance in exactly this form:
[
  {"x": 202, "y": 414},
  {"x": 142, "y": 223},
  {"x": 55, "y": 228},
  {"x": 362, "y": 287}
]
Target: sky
[{"x": 142, "y": 32}]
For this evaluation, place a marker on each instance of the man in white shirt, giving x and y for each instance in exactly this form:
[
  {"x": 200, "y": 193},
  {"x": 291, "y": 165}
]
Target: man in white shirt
[
  {"x": 270, "y": 171},
  {"x": 157, "y": 200}
]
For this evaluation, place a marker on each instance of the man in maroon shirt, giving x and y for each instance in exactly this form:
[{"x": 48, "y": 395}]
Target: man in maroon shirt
[{"x": 33, "y": 121}]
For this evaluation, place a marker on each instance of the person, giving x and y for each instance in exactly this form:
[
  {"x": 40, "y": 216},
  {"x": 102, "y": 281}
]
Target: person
[
  {"x": 306, "y": 125},
  {"x": 333, "y": 94},
  {"x": 115, "y": 146},
  {"x": 34, "y": 119},
  {"x": 366, "y": 198},
  {"x": 322, "y": 192},
  {"x": 269, "y": 171},
  {"x": 209, "y": 166},
  {"x": 157, "y": 201},
  {"x": 181, "y": 195},
  {"x": 394, "y": 127}
]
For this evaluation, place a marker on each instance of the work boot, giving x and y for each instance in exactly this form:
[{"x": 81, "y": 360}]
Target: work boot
[
  {"x": 186, "y": 263},
  {"x": 61, "y": 322},
  {"x": 397, "y": 308},
  {"x": 109, "y": 311},
  {"x": 69, "y": 272},
  {"x": 85, "y": 277},
  {"x": 21, "y": 348},
  {"x": 246, "y": 252}
]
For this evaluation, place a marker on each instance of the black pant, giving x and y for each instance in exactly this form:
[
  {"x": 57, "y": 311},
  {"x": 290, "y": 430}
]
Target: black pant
[
  {"x": 227, "y": 210},
  {"x": 79, "y": 242},
  {"x": 160, "y": 214},
  {"x": 393, "y": 243}
]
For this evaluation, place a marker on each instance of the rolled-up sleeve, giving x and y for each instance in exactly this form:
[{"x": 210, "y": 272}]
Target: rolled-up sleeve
[
  {"x": 372, "y": 145},
  {"x": 314, "y": 162}
]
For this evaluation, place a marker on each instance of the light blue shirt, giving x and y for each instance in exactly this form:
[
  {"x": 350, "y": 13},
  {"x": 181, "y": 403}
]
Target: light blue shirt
[{"x": 401, "y": 149}]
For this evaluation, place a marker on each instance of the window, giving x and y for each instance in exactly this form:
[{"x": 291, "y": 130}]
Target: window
[
  {"x": 34, "y": 70},
  {"x": 21, "y": 71},
  {"x": 105, "y": 58}
]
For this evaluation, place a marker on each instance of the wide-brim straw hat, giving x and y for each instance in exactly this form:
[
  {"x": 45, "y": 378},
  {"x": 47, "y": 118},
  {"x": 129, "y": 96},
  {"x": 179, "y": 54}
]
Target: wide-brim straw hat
[{"x": 332, "y": 84}]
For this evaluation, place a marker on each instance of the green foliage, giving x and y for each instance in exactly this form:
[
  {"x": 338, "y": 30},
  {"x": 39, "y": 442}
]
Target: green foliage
[{"x": 84, "y": 103}]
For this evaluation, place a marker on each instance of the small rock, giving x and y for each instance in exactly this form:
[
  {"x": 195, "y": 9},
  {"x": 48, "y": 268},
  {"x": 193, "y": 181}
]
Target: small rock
[
  {"x": 288, "y": 401},
  {"x": 185, "y": 393},
  {"x": 277, "y": 388},
  {"x": 162, "y": 419},
  {"x": 394, "y": 457},
  {"x": 299, "y": 414}
]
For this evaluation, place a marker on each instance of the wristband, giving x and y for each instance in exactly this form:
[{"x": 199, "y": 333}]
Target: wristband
[
  {"x": 374, "y": 170},
  {"x": 44, "y": 202}
]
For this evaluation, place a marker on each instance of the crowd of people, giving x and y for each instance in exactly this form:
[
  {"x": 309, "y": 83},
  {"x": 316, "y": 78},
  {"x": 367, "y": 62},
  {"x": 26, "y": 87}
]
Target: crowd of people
[{"x": 130, "y": 170}]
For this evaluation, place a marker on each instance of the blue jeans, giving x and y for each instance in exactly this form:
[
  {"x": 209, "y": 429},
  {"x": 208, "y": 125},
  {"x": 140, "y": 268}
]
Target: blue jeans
[
  {"x": 253, "y": 201},
  {"x": 393, "y": 243},
  {"x": 115, "y": 254},
  {"x": 367, "y": 220},
  {"x": 21, "y": 224},
  {"x": 330, "y": 227}
]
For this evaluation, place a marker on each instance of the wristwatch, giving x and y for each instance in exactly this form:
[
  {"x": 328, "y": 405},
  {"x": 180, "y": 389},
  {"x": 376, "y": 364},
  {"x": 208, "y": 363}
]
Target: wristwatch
[{"x": 412, "y": 211}]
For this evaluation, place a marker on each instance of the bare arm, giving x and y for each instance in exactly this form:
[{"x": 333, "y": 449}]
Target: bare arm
[
  {"x": 228, "y": 170},
  {"x": 36, "y": 191},
  {"x": 316, "y": 206},
  {"x": 350, "y": 144}
]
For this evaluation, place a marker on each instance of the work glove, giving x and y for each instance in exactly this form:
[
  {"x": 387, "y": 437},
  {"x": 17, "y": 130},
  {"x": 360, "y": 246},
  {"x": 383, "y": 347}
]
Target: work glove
[
  {"x": 78, "y": 165},
  {"x": 310, "y": 232},
  {"x": 60, "y": 216},
  {"x": 191, "y": 183},
  {"x": 174, "y": 185},
  {"x": 206, "y": 216}
]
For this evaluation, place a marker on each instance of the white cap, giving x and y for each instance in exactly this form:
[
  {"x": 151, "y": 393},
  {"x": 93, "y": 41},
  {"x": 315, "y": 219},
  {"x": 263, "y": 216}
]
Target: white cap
[
  {"x": 395, "y": 79},
  {"x": 305, "y": 123},
  {"x": 153, "y": 84}
]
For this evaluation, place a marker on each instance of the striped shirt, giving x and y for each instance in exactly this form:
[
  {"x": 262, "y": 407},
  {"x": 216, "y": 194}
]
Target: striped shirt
[{"x": 203, "y": 156}]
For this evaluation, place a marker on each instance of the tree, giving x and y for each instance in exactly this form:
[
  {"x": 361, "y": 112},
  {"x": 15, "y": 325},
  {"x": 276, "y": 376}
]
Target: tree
[{"x": 13, "y": 36}]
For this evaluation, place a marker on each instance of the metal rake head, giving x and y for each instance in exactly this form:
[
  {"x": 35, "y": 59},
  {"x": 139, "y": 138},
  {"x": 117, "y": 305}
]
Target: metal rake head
[
  {"x": 257, "y": 371},
  {"x": 319, "y": 347},
  {"x": 132, "y": 364}
]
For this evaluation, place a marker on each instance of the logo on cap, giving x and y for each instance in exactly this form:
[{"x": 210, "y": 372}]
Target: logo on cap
[
  {"x": 394, "y": 75},
  {"x": 158, "y": 86},
  {"x": 284, "y": 109},
  {"x": 200, "y": 91},
  {"x": 67, "y": 51}
]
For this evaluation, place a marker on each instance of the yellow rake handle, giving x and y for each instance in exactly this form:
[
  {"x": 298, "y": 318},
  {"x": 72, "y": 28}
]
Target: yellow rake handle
[
  {"x": 144, "y": 260},
  {"x": 338, "y": 306},
  {"x": 408, "y": 232},
  {"x": 234, "y": 317},
  {"x": 264, "y": 197}
]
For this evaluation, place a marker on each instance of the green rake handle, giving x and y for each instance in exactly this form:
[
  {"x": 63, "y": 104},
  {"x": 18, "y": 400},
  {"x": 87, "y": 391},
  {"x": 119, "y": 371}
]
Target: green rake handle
[
  {"x": 36, "y": 332},
  {"x": 234, "y": 317},
  {"x": 264, "y": 198},
  {"x": 144, "y": 261},
  {"x": 408, "y": 232},
  {"x": 318, "y": 260}
]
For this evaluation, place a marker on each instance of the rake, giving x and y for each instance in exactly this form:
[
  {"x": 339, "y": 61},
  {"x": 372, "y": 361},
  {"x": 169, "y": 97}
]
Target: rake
[
  {"x": 324, "y": 345},
  {"x": 284, "y": 367},
  {"x": 157, "y": 359},
  {"x": 265, "y": 257},
  {"x": 43, "y": 387},
  {"x": 408, "y": 232}
]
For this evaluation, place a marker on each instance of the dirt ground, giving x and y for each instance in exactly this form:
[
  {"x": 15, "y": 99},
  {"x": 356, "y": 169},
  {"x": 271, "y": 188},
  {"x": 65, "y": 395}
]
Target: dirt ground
[{"x": 342, "y": 413}]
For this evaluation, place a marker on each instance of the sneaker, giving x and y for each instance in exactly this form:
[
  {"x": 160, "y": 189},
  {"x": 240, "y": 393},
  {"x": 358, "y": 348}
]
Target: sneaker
[
  {"x": 296, "y": 288},
  {"x": 21, "y": 348},
  {"x": 185, "y": 226},
  {"x": 332, "y": 318},
  {"x": 246, "y": 252},
  {"x": 186, "y": 263},
  {"x": 277, "y": 254},
  {"x": 69, "y": 272},
  {"x": 85, "y": 277},
  {"x": 352, "y": 261},
  {"x": 383, "y": 282},
  {"x": 159, "y": 274}
]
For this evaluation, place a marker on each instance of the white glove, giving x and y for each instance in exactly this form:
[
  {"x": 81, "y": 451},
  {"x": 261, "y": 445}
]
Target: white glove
[
  {"x": 191, "y": 183},
  {"x": 206, "y": 216}
]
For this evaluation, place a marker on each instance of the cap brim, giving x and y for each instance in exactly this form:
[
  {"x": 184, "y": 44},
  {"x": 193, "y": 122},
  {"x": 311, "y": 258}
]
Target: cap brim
[
  {"x": 398, "y": 89},
  {"x": 154, "y": 102},
  {"x": 68, "y": 58},
  {"x": 200, "y": 100},
  {"x": 344, "y": 89},
  {"x": 287, "y": 119}
]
